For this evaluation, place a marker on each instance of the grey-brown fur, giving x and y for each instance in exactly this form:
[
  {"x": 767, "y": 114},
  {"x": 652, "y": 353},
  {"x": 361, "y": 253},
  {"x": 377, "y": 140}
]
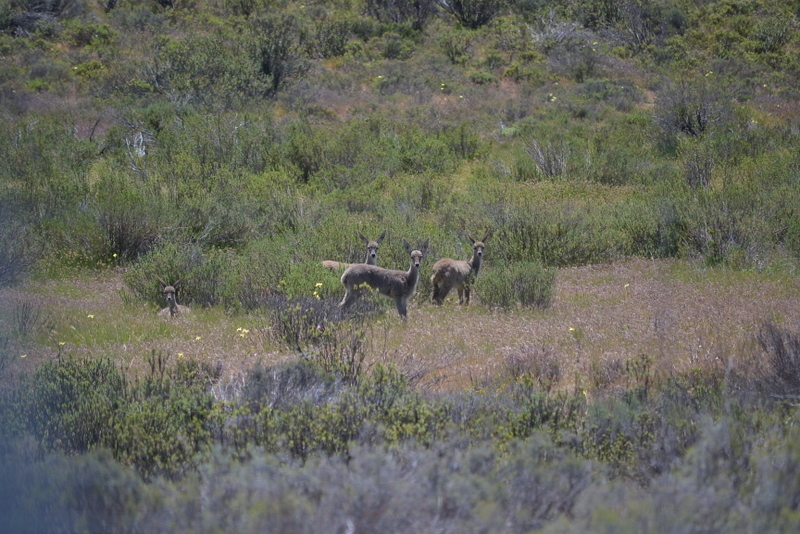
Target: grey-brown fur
[
  {"x": 449, "y": 273},
  {"x": 371, "y": 259},
  {"x": 173, "y": 308},
  {"x": 395, "y": 284}
]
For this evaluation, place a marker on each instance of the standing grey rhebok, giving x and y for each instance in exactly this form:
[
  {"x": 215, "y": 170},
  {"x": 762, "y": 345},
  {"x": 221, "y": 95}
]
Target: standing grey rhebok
[
  {"x": 173, "y": 308},
  {"x": 372, "y": 254},
  {"x": 397, "y": 285},
  {"x": 449, "y": 273}
]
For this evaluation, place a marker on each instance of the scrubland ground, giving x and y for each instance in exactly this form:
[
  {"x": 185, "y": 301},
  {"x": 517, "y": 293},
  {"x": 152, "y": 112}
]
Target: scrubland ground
[{"x": 680, "y": 314}]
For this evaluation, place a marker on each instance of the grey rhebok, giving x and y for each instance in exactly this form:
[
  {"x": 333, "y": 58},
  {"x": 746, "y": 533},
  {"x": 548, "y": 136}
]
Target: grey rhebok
[
  {"x": 371, "y": 259},
  {"x": 395, "y": 284},
  {"x": 173, "y": 308},
  {"x": 449, "y": 273}
]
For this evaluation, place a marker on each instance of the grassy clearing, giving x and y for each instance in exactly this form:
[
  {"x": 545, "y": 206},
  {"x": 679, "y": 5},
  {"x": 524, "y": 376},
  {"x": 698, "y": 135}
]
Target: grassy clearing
[{"x": 676, "y": 312}]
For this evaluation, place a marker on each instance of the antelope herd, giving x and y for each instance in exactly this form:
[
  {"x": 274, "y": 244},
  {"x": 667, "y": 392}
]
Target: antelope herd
[{"x": 399, "y": 285}]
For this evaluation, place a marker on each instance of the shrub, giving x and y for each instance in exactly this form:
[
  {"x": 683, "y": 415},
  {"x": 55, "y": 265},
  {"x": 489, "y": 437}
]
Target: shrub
[
  {"x": 170, "y": 263},
  {"x": 528, "y": 361},
  {"x": 415, "y": 12},
  {"x": 472, "y": 13},
  {"x": 92, "y": 493},
  {"x": 781, "y": 375},
  {"x": 130, "y": 218},
  {"x": 283, "y": 386},
  {"x": 18, "y": 248},
  {"x": 690, "y": 108},
  {"x": 73, "y": 403},
  {"x": 551, "y": 160},
  {"x": 277, "y": 47},
  {"x": 329, "y": 37},
  {"x": 555, "y": 236},
  {"x": 526, "y": 283},
  {"x": 456, "y": 45},
  {"x": 162, "y": 426},
  {"x": 301, "y": 322},
  {"x": 773, "y": 32}
]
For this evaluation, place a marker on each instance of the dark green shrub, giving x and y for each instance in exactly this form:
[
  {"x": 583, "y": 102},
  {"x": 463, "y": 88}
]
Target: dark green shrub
[
  {"x": 456, "y": 45},
  {"x": 277, "y": 47},
  {"x": 773, "y": 32},
  {"x": 283, "y": 386},
  {"x": 329, "y": 37},
  {"x": 780, "y": 377},
  {"x": 130, "y": 217},
  {"x": 163, "y": 425},
  {"x": 473, "y": 13},
  {"x": 690, "y": 108},
  {"x": 73, "y": 403},
  {"x": 526, "y": 283},
  {"x": 19, "y": 250},
  {"x": 395, "y": 46},
  {"x": 414, "y": 12},
  {"x": 558, "y": 236},
  {"x": 171, "y": 263},
  {"x": 138, "y": 17}
]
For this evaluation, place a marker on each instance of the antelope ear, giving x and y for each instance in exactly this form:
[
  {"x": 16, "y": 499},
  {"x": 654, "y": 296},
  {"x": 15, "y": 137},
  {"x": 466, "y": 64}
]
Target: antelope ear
[
  {"x": 487, "y": 236},
  {"x": 381, "y": 237},
  {"x": 470, "y": 239},
  {"x": 364, "y": 239},
  {"x": 178, "y": 282},
  {"x": 406, "y": 246},
  {"x": 163, "y": 283},
  {"x": 424, "y": 249}
]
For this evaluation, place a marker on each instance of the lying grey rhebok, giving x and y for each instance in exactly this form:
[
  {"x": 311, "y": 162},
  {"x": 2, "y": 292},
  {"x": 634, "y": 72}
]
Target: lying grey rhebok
[
  {"x": 173, "y": 308},
  {"x": 449, "y": 273},
  {"x": 397, "y": 285},
  {"x": 371, "y": 259}
]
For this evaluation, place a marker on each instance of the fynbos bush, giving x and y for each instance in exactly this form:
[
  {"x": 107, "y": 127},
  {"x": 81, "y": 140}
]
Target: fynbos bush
[
  {"x": 18, "y": 251},
  {"x": 472, "y": 13},
  {"x": 781, "y": 375},
  {"x": 526, "y": 283}
]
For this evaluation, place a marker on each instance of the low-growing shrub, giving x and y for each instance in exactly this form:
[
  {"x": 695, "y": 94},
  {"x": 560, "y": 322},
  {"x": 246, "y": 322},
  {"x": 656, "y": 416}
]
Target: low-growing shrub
[
  {"x": 73, "y": 403},
  {"x": 528, "y": 361},
  {"x": 279, "y": 387},
  {"x": 18, "y": 249},
  {"x": 473, "y": 13},
  {"x": 781, "y": 374},
  {"x": 527, "y": 283},
  {"x": 207, "y": 277}
]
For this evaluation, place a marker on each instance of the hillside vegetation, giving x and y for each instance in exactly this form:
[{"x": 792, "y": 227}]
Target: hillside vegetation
[{"x": 630, "y": 359}]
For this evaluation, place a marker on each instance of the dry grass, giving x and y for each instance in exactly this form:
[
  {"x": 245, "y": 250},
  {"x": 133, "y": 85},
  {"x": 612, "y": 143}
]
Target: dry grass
[{"x": 679, "y": 315}]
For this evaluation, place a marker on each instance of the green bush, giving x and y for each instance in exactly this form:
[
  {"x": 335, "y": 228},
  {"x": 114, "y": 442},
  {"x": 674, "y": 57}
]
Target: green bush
[
  {"x": 19, "y": 250},
  {"x": 473, "y": 13},
  {"x": 277, "y": 42},
  {"x": 553, "y": 235},
  {"x": 527, "y": 283},
  {"x": 73, "y": 403},
  {"x": 163, "y": 424}
]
